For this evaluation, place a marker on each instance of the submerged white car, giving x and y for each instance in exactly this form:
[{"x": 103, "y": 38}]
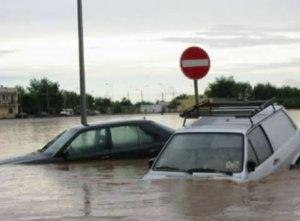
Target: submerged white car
[{"x": 235, "y": 141}]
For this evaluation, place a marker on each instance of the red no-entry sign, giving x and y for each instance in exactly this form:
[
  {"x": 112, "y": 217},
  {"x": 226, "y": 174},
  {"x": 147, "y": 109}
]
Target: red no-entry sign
[{"x": 194, "y": 63}]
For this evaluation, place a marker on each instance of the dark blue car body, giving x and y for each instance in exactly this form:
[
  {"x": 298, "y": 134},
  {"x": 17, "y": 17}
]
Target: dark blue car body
[{"x": 122, "y": 139}]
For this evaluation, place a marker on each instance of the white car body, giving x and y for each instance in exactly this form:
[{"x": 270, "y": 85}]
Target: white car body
[
  {"x": 67, "y": 112},
  {"x": 279, "y": 129}
]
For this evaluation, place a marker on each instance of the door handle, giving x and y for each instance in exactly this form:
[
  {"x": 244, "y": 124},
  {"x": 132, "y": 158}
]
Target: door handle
[{"x": 276, "y": 161}]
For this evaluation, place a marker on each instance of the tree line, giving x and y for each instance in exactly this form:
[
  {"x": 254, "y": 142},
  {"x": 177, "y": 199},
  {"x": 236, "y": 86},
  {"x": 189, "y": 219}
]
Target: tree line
[
  {"x": 43, "y": 96},
  {"x": 227, "y": 87}
]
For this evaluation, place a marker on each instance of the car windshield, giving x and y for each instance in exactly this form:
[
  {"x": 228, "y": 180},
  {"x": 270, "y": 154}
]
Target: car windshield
[
  {"x": 58, "y": 142},
  {"x": 203, "y": 152}
]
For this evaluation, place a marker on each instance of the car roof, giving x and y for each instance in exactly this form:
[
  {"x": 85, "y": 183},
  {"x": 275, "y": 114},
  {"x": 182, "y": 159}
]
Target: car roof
[
  {"x": 227, "y": 124},
  {"x": 110, "y": 123}
]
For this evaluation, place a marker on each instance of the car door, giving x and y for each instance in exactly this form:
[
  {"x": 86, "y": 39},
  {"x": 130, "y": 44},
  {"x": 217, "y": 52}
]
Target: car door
[
  {"x": 89, "y": 144},
  {"x": 261, "y": 152},
  {"x": 134, "y": 141},
  {"x": 150, "y": 143}
]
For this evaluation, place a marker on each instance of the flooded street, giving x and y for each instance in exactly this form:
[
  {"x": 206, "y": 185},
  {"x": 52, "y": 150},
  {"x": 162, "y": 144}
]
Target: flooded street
[{"x": 113, "y": 189}]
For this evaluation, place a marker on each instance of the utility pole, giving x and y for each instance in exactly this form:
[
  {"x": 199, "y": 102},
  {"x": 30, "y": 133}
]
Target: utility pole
[
  {"x": 196, "y": 97},
  {"x": 47, "y": 100},
  {"x": 81, "y": 64},
  {"x": 21, "y": 103}
]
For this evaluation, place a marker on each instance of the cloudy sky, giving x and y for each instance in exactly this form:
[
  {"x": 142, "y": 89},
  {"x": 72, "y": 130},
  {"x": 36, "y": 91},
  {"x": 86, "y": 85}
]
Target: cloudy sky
[{"x": 135, "y": 45}]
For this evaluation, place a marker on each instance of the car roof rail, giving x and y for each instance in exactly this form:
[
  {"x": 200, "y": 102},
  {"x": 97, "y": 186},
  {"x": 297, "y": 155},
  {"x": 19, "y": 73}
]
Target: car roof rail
[{"x": 238, "y": 109}]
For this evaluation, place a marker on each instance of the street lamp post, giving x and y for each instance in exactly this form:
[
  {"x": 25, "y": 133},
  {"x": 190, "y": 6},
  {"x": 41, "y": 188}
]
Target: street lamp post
[
  {"x": 112, "y": 90},
  {"x": 141, "y": 93},
  {"x": 81, "y": 64},
  {"x": 162, "y": 91}
]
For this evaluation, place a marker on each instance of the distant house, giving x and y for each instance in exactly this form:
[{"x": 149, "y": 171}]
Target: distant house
[
  {"x": 129, "y": 109},
  {"x": 8, "y": 102},
  {"x": 159, "y": 107}
]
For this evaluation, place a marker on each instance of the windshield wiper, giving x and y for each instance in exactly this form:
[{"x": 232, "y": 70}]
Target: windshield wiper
[
  {"x": 194, "y": 170},
  {"x": 206, "y": 170},
  {"x": 169, "y": 168}
]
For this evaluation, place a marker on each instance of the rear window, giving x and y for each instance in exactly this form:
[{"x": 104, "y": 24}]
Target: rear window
[
  {"x": 279, "y": 129},
  {"x": 124, "y": 136}
]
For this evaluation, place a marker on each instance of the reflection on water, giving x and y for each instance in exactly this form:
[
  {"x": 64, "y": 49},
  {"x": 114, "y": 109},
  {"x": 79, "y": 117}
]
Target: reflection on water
[{"x": 112, "y": 190}]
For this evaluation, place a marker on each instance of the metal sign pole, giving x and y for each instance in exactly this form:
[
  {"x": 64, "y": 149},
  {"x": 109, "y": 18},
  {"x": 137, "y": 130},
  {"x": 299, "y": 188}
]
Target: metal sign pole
[
  {"x": 81, "y": 64},
  {"x": 196, "y": 96}
]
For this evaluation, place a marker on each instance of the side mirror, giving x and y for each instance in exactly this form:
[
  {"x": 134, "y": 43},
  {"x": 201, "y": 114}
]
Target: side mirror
[
  {"x": 251, "y": 165},
  {"x": 151, "y": 161}
]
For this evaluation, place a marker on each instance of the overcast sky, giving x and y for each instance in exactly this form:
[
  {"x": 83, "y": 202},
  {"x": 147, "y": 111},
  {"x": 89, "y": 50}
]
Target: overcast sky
[{"x": 135, "y": 45}]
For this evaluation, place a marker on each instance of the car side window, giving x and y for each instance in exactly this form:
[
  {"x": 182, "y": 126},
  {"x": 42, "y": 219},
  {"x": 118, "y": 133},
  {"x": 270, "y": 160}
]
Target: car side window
[
  {"x": 124, "y": 137},
  {"x": 91, "y": 141},
  {"x": 260, "y": 144},
  {"x": 251, "y": 154},
  {"x": 145, "y": 137}
]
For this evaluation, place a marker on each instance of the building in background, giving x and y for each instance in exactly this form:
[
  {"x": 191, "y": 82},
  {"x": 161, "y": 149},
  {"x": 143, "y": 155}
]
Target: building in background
[
  {"x": 8, "y": 102},
  {"x": 159, "y": 107},
  {"x": 189, "y": 101}
]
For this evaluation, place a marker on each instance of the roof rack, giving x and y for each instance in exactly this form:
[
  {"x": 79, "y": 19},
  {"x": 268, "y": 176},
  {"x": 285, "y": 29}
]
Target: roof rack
[{"x": 238, "y": 109}]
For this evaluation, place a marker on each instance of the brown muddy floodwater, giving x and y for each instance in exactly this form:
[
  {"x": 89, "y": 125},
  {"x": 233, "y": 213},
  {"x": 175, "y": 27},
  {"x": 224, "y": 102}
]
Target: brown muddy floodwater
[{"x": 113, "y": 189}]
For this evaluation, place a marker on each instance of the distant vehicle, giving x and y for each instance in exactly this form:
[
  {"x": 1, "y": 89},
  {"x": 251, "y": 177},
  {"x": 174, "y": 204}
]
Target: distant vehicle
[
  {"x": 123, "y": 139},
  {"x": 92, "y": 112},
  {"x": 239, "y": 141},
  {"x": 22, "y": 115},
  {"x": 42, "y": 114},
  {"x": 67, "y": 112}
]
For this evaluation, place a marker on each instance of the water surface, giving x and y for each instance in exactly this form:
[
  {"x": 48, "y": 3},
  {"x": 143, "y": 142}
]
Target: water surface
[{"x": 112, "y": 189}]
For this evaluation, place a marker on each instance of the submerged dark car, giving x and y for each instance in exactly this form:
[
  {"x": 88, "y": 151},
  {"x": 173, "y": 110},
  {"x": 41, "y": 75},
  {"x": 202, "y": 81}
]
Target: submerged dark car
[{"x": 126, "y": 139}]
